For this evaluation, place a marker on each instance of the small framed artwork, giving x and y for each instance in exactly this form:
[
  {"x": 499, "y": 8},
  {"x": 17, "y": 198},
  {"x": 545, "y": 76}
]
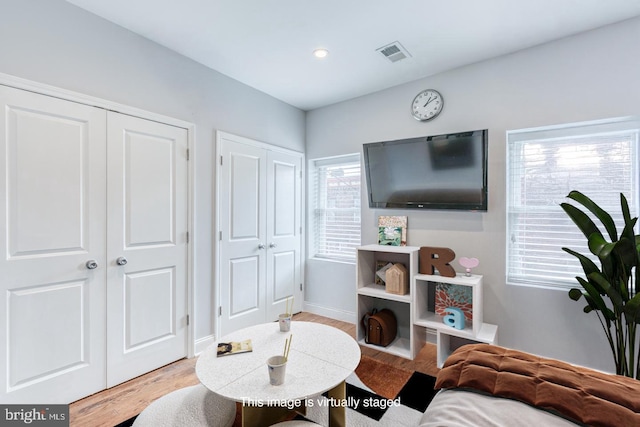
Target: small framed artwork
[{"x": 392, "y": 230}]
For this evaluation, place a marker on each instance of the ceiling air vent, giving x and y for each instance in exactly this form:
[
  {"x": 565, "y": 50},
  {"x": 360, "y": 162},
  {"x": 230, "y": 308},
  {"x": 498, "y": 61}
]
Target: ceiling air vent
[{"x": 394, "y": 52}]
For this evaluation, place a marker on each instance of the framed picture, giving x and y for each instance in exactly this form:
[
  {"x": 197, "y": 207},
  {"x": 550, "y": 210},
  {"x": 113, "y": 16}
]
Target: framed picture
[
  {"x": 458, "y": 296},
  {"x": 392, "y": 230}
]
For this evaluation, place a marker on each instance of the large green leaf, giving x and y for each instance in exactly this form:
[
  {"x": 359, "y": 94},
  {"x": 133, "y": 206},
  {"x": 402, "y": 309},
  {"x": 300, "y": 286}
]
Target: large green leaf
[
  {"x": 599, "y": 246},
  {"x": 596, "y": 300},
  {"x": 581, "y": 219},
  {"x": 632, "y": 310},
  {"x": 600, "y": 213},
  {"x": 587, "y": 265},
  {"x": 610, "y": 290},
  {"x": 626, "y": 250},
  {"x": 629, "y": 223}
]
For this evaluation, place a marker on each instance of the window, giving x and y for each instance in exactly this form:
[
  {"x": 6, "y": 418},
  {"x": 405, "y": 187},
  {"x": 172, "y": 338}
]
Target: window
[
  {"x": 336, "y": 207},
  {"x": 599, "y": 159}
]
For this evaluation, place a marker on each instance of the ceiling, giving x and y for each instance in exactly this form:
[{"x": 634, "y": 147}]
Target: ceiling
[{"x": 268, "y": 44}]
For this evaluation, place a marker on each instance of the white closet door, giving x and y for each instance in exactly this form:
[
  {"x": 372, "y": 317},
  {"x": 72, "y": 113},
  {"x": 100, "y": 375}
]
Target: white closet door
[
  {"x": 260, "y": 202},
  {"x": 147, "y": 229},
  {"x": 52, "y": 185},
  {"x": 284, "y": 230},
  {"x": 242, "y": 210}
]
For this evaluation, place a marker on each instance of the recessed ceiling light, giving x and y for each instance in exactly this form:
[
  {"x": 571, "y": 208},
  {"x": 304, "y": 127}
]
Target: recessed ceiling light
[{"x": 320, "y": 53}]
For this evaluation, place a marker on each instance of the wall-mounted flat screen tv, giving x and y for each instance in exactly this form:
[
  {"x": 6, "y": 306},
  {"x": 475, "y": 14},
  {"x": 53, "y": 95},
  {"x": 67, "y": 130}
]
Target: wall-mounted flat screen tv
[{"x": 432, "y": 172}]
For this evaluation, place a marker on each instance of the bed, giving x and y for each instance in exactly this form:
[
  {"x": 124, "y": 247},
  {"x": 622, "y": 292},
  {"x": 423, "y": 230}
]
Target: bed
[{"x": 485, "y": 385}]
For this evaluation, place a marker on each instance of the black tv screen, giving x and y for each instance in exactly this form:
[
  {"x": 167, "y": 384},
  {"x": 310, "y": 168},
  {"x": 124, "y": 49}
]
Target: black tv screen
[{"x": 432, "y": 172}]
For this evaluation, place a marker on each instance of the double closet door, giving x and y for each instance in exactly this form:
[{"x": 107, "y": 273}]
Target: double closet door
[
  {"x": 260, "y": 232},
  {"x": 94, "y": 254}
]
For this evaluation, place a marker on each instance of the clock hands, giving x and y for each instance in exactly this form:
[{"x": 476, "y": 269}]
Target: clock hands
[{"x": 428, "y": 101}]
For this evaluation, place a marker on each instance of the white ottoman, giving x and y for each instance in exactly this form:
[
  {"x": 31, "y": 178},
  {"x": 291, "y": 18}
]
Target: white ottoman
[{"x": 193, "y": 406}]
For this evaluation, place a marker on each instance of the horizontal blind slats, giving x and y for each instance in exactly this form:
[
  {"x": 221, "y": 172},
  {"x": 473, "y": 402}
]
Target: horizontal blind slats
[
  {"x": 336, "y": 207},
  {"x": 544, "y": 165}
]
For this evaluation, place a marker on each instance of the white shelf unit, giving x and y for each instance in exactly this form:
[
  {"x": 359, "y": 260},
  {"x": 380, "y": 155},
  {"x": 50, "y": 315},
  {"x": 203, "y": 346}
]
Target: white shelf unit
[
  {"x": 370, "y": 296},
  {"x": 448, "y": 337},
  {"x": 415, "y": 311}
]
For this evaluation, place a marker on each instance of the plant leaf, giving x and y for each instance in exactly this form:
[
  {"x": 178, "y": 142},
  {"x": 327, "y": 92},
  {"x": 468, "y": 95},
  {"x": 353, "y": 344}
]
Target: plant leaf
[
  {"x": 610, "y": 290},
  {"x": 599, "y": 246},
  {"x": 626, "y": 250},
  {"x": 600, "y": 213},
  {"x": 632, "y": 310},
  {"x": 596, "y": 300},
  {"x": 587, "y": 265},
  {"x": 575, "y": 294},
  {"x": 581, "y": 219}
]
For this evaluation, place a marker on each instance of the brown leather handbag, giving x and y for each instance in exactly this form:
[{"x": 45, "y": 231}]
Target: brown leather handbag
[{"x": 380, "y": 327}]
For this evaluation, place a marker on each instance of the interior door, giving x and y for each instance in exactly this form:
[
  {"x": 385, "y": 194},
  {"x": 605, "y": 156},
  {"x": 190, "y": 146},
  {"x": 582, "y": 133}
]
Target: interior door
[
  {"x": 52, "y": 186},
  {"x": 260, "y": 225},
  {"x": 284, "y": 230},
  {"x": 146, "y": 246},
  {"x": 242, "y": 217}
]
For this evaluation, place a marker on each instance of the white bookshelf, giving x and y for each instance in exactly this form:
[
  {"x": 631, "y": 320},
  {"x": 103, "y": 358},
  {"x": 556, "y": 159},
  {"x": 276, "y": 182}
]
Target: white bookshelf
[
  {"x": 449, "y": 338},
  {"x": 415, "y": 311},
  {"x": 371, "y": 295}
]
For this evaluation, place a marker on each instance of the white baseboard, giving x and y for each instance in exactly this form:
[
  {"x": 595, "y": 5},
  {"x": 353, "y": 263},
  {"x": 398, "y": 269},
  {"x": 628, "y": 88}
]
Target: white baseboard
[
  {"x": 345, "y": 316},
  {"x": 203, "y": 343}
]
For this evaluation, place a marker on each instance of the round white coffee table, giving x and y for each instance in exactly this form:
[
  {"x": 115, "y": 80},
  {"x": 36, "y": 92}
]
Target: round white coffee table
[{"x": 321, "y": 358}]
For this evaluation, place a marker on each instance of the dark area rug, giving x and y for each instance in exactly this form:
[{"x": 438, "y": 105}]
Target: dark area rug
[{"x": 392, "y": 395}]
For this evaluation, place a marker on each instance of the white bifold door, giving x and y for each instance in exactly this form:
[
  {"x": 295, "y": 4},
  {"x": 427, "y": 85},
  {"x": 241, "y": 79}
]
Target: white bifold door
[
  {"x": 93, "y": 266},
  {"x": 260, "y": 231}
]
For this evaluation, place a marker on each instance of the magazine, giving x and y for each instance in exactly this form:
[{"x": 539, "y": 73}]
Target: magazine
[{"x": 226, "y": 348}]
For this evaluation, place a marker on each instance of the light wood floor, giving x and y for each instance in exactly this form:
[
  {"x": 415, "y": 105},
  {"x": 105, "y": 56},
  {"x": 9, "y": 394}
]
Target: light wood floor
[{"x": 115, "y": 405}]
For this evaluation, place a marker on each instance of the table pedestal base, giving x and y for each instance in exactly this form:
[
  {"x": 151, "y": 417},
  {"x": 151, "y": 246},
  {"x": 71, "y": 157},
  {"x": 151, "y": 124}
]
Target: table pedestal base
[{"x": 256, "y": 416}]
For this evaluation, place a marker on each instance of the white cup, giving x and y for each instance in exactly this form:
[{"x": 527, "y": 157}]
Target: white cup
[
  {"x": 284, "y": 320},
  {"x": 277, "y": 366}
]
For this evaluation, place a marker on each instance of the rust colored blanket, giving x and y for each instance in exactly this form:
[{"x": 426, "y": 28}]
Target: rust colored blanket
[{"x": 579, "y": 394}]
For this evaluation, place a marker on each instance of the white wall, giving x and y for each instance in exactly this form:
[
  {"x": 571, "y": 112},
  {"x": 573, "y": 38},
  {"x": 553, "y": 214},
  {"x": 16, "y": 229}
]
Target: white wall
[
  {"x": 54, "y": 42},
  {"x": 590, "y": 76}
]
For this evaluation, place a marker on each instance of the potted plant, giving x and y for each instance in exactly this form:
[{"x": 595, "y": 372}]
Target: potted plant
[{"x": 612, "y": 289}]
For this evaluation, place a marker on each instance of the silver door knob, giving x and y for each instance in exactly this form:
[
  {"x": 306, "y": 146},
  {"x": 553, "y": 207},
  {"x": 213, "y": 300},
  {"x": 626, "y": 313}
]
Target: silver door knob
[
  {"x": 272, "y": 245},
  {"x": 121, "y": 261},
  {"x": 261, "y": 246},
  {"x": 91, "y": 264}
]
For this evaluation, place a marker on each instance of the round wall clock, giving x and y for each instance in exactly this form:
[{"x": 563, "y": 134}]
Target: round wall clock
[{"x": 427, "y": 105}]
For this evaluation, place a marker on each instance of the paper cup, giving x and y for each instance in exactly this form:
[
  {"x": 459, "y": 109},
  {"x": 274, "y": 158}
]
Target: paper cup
[
  {"x": 284, "y": 320},
  {"x": 277, "y": 366}
]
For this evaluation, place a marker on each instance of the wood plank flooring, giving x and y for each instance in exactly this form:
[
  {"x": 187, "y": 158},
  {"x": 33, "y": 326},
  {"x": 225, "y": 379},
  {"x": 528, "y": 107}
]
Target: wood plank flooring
[{"x": 117, "y": 404}]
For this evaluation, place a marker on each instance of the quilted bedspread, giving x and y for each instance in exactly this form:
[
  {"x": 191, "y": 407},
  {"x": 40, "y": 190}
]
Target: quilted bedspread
[{"x": 579, "y": 394}]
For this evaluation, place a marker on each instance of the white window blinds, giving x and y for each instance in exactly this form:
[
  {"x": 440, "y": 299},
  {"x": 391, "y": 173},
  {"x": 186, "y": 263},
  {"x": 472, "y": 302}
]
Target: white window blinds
[
  {"x": 336, "y": 207},
  {"x": 599, "y": 159}
]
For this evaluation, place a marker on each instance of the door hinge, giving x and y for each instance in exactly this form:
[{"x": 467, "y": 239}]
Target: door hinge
[
  {"x": 220, "y": 311},
  {"x": 188, "y": 320},
  {"x": 300, "y": 286},
  {"x": 187, "y": 154},
  {"x": 220, "y": 160},
  {"x": 220, "y": 236},
  {"x": 187, "y": 237}
]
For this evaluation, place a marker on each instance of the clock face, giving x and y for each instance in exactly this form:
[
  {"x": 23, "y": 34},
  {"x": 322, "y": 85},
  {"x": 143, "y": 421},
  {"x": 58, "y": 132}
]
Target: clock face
[{"x": 427, "y": 105}]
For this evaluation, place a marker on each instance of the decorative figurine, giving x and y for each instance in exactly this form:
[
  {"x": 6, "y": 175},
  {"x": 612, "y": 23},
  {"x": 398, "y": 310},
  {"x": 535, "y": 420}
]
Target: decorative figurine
[
  {"x": 468, "y": 264},
  {"x": 455, "y": 318}
]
